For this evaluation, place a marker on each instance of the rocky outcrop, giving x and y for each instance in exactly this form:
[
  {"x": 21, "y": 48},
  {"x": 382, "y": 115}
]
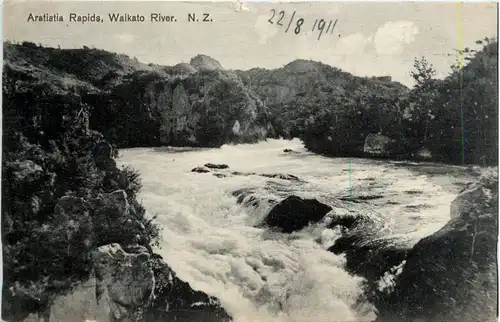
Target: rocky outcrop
[
  {"x": 370, "y": 252},
  {"x": 130, "y": 284},
  {"x": 330, "y": 110},
  {"x": 451, "y": 275},
  {"x": 295, "y": 213},
  {"x": 208, "y": 108},
  {"x": 78, "y": 305},
  {"x": 133, "y": 104},
  {"x": 376, "y": 145},
  {"x": 370, "y": 249},
  {"x": 204, "y": 62},
  {"x": 125, "y": 280}
]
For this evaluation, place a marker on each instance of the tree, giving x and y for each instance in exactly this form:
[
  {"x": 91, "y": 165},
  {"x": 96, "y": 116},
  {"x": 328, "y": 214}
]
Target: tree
[{"x": 423, "y": 95}]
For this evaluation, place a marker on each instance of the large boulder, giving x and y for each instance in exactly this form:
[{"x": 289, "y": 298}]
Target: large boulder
[
  {"x": 125, "y": 281},
  {"x": 295, "y": 213},
  {"x": 451, "y": 275}
]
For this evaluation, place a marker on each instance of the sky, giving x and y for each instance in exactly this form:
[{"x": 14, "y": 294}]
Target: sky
[{"x": 369, "y": 38}]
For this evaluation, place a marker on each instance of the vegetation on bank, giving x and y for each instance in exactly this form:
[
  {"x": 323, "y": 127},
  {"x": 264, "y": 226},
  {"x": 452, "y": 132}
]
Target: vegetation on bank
[
  {"x": 455, "y": 118},
  {"x": 334, "y": 112},
  {"x": 57, "y": 176}
]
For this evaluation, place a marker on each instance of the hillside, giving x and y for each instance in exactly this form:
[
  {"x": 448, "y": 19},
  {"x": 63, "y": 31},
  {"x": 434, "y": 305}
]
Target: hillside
[
  {"x": 134, "y": 104},
  {"x": 202, "y": 104},
  {"x": 304, "y": 95}
]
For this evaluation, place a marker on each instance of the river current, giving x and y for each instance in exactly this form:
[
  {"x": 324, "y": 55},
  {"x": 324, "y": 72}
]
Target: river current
[{"x": 211, "y": 241}]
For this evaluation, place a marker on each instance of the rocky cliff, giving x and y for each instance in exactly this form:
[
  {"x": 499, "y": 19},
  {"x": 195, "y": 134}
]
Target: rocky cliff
[
  {"x": 133, "y": 104},
  {"x": 204, "y": 108}
]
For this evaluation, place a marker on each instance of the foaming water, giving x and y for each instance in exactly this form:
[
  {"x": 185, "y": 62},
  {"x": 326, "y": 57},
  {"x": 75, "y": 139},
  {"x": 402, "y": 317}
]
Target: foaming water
[{"x": 259, "y": 276}]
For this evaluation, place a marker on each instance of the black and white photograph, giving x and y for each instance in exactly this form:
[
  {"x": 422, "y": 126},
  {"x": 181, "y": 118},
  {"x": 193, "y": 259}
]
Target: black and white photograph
[{"x": 249, "y": 161}]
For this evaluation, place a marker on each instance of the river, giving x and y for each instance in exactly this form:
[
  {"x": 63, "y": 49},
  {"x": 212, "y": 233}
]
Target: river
[{"x": 210, "y": 241}]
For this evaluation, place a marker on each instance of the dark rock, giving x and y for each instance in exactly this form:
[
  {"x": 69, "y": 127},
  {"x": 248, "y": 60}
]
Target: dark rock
[
  {"x": 369, "y": 253},
  {"x": 288, "y": 150},
  {"x": 238, "y": 173},
  {"x": 216, "y": 166},
  {"x": 349, "y": 221},
  {"x": 220, "y": 175},
  {"x": 201, "y": 170},
  {"x": 361, "y": 198},
  {"x": 451, "y": 275},
  {"x": 175, "y": 300},
  {"x": 295, "y": 213},
  {"x": 242, "y": 193},
  {"x": 280, "y": 176}
]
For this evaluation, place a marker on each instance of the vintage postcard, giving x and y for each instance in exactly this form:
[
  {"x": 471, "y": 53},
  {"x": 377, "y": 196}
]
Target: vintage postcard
[{"x": 249, "y": 161}]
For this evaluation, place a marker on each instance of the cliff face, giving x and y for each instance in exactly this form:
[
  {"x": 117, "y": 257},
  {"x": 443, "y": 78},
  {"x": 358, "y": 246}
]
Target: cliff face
[
  {"x": 132, "y": 104},
  {"x": 206, "y": 108}
]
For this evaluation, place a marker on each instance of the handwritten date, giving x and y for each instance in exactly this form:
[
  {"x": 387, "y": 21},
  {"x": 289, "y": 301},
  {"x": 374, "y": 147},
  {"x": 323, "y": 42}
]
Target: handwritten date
[{"x": 318, "y": 26}]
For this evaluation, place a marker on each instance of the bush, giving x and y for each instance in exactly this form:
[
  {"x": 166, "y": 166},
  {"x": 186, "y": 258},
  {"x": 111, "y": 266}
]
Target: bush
[{"x": 53, "y": 214}]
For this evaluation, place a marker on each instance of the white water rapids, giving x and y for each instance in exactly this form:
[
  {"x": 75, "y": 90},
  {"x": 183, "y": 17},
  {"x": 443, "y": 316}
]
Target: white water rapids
[{"x": 209, "y": 240}]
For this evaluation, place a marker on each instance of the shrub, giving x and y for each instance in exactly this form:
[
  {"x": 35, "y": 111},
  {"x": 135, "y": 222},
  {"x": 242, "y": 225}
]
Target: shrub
[{"x": 52, "y": 210}]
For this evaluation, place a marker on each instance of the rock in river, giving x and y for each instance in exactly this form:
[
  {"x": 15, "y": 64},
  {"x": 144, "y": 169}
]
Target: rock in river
[
  {"x": 216, "y": 166},
  {"x": 201, "y": 170},
  {"x": 295, "y": 213}
]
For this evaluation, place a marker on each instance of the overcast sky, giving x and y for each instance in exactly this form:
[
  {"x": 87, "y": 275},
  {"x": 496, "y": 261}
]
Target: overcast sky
[{"x": 369, "y": 38}]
